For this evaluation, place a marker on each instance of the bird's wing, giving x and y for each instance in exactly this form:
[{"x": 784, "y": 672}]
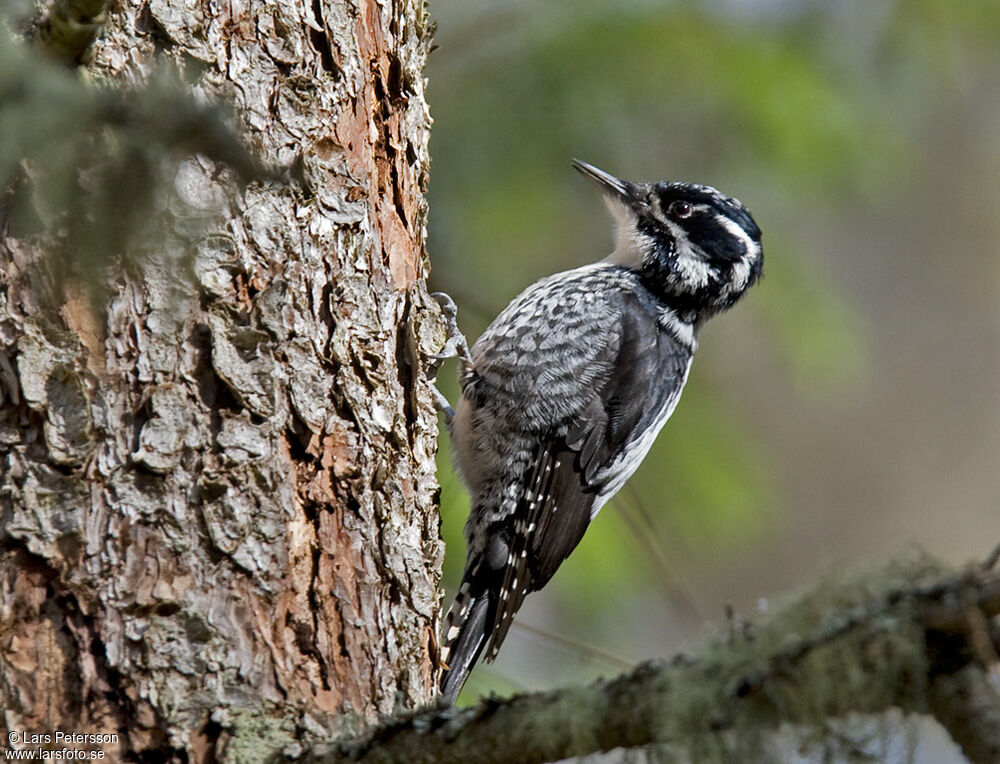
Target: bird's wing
[{"x": 576, "y": 467}]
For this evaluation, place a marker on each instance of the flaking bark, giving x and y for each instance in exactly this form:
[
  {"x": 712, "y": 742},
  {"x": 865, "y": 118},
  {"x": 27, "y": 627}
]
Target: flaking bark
[{"x": 218, "y": 493}]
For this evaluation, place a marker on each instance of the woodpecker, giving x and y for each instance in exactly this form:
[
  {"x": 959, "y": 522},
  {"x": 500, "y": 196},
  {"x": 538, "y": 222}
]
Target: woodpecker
[{"x": 565, "y": 392}]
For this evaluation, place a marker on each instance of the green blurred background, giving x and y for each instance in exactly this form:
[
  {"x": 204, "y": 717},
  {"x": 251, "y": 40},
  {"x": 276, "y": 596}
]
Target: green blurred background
[{"x": 849, "y": 407}]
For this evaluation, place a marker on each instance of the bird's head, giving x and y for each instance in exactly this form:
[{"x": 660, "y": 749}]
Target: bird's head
[{"x": 695, "y": 248}]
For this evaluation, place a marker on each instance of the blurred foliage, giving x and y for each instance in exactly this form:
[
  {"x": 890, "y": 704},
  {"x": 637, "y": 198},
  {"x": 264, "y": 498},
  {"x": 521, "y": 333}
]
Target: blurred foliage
[
  {"x": 796, "y": 108},
  {"x": 91, "y": 166},
  {"x": 823, "y": 347}
]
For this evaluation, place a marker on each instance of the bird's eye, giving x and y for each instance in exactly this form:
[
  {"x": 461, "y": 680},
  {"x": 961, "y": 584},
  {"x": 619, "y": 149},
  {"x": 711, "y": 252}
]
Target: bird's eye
[{"x": 679, "y": 209}]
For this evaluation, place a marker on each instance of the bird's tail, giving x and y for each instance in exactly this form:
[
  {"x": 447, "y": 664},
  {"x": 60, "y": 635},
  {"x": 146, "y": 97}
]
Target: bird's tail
[{"x": 466, "y": 630}]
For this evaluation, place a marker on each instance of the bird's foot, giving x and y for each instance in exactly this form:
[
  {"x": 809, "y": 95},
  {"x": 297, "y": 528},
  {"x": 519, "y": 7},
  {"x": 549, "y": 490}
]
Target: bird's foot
[
  {"x": 443, "y": 405},
  {"x": 455, "y": 346}
]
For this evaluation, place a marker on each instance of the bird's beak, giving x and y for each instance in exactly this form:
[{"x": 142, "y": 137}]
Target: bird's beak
[{"x": 611, "y": 185}]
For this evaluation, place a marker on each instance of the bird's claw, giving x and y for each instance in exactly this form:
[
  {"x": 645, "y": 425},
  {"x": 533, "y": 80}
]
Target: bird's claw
[
  {"x": 443, "y": 405},
  {"x": 455, "y": 345}
]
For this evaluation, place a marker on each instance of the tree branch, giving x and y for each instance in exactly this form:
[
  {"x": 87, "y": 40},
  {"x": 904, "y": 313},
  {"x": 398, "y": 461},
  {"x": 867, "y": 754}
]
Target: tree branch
[
  {"x": 903, "y": 637},
  {"x": 967, "y": 704}
]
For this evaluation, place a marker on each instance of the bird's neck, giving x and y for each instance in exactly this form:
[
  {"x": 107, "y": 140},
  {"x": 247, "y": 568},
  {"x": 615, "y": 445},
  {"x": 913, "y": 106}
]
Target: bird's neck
[
  {"x": 691, "y": 306},
  {"x": 682, "y": 326}
]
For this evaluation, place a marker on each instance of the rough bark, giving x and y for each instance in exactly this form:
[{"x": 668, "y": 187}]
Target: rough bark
[
  {"x": 69, "y": 27},
  {"x": 218, "y": 494},
  {"x": 915, "y": 640}
]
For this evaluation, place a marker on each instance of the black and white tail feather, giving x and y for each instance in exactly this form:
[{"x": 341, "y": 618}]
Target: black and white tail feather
[
  {"x": 467, "y": 630},
  {"x": 565, "y": 392}
]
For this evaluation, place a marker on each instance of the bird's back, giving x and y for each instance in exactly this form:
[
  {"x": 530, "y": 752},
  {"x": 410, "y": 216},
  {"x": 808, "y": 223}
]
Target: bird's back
[{"x": 552, "y": 362}]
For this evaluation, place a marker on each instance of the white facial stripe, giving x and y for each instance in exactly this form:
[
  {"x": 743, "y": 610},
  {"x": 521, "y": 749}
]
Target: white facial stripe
[
  {"x": 741, "y": 275},
  {"x": 692, "y": 273},
  {"x": 752, "y": 247},
  {"x": 681, "y": 241},
  {"x": 693, "y": 270}
]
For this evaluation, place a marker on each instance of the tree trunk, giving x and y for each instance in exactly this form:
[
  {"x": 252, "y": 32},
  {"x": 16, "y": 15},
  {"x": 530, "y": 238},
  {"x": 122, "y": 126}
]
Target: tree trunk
[{"x": 218, "y": 497}]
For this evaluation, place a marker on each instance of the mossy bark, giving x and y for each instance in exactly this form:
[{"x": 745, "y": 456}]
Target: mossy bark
[
  {"x": 217, "y": 490},
  {"x": 903, "y": 638}
]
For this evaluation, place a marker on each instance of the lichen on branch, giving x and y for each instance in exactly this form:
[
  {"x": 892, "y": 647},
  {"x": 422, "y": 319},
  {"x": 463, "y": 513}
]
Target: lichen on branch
[{"x": 898, "y": 637}]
